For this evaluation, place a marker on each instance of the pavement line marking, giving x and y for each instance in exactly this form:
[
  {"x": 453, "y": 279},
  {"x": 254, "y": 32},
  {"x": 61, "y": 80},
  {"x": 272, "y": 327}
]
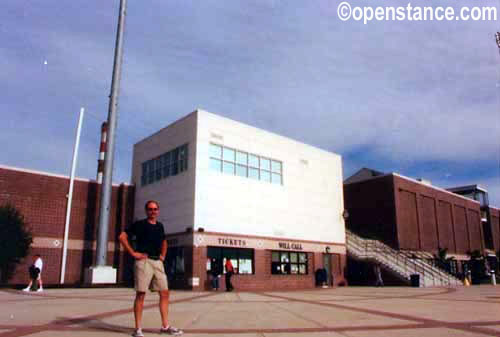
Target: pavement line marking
[
  {"x": 276, "y": 305},
  {"x": 425, "y": 323},
  {"x": 58, "y": 324}
]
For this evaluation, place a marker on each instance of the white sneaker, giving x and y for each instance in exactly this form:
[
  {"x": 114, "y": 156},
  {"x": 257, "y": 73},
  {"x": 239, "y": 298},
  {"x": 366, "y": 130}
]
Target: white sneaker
[
  {"x": 39, "y": 290},
  {"x": 170, "y": 330},
  {"x": 137, "y": 333},
  {"x": 27, "y": 289}
]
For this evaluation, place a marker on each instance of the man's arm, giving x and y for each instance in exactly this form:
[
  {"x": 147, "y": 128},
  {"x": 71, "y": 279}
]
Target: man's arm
[
  {"x": 124, "y": 241},
  {"x": 163, "y": 250}
]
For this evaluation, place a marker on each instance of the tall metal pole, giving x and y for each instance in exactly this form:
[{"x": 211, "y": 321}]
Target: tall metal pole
[
  {"x": 70, "y": 195},
  {"x": 102, "y": 235}
]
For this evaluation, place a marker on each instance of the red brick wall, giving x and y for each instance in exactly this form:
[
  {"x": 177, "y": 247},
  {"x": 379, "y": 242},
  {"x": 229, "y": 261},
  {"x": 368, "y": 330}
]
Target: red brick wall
[
  {"x": 460, "y": 227},
  {"x": 455, "y": 218},
  {"x": 41, "y": 198},
  {"x": 495, "y": 227},
  {"x": 408, "y": 222},
  {"x": 475, "y": 230},
  {"x": 410, "y": 215},
  {"x": 262, "y": 279},
  {"x": 371, "y": 209},
  {"x": 429, "y": 224},
  {"x": 445, "y": 226}
]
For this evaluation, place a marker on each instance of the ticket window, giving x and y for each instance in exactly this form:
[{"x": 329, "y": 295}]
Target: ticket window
[{"x": 241, "y": 258}]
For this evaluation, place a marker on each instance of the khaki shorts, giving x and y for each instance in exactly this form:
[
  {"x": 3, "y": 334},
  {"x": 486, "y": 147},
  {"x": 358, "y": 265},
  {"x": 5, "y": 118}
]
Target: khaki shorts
[{"x": 150, "y": 272}]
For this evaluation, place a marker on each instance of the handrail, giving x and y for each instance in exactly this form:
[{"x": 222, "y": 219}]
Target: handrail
[
  {"x": 423, "y": 268},
  {"x": 397, "y": 261}
]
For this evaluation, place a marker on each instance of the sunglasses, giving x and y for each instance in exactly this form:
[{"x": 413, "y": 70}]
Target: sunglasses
[{"x": 152, "y": 209}]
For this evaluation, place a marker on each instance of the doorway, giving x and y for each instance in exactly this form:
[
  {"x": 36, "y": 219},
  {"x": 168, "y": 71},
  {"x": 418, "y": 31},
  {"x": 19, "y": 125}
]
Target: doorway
[{"x": 327, "y": 264}]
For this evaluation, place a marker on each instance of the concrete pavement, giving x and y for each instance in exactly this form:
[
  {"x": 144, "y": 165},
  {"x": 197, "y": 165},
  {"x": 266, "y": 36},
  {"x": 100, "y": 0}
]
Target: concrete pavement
[{"x": 345, "y": 311}]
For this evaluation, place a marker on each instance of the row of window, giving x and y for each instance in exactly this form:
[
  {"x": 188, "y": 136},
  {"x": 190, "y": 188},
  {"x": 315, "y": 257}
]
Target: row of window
[
  {"x": 234, "y": 162},
  {"x": 282, "y": 263},
  {"x": 168, "y": 164}
]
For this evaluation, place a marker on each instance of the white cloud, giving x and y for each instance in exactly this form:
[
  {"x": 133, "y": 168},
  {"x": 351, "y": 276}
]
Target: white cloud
[{"x": 414, "y": 92}]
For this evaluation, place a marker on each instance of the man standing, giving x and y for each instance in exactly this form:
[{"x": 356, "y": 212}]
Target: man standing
[
  {"x": 229, "y": 273},
  {"x": 149, "y": 256},
  {"x": 378, "y": 275},
  {"x": 36, "y": 273},
  {"x": 215, "y": 273}
]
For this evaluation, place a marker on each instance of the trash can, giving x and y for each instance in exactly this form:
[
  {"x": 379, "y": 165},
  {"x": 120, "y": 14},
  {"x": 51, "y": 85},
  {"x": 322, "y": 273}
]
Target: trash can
[{"x": 415, "y": 280}]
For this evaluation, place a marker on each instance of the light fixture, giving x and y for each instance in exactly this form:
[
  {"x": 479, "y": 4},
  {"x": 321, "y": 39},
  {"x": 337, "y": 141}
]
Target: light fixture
[{"x": 345, "y": 214}]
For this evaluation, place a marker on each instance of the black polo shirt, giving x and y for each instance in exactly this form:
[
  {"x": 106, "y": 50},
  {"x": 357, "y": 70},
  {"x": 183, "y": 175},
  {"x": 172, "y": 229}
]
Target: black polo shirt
[{"x": 149, "y": 237}]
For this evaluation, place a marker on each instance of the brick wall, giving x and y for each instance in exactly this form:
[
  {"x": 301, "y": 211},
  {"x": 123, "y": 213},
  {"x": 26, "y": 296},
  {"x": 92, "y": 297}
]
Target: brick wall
[
  {"x": 495, "y": 227},
  {"x": 410, "y": 215},
  {"x": 428, "y": 218},
  {"x": 262, "y": 279},
  {"x": 42, "y": 199},
  {"x": 371, "y": 209}
]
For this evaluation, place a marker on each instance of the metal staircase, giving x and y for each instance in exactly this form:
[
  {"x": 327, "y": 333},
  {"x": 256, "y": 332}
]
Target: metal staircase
[{"x": 399, "y": 263}]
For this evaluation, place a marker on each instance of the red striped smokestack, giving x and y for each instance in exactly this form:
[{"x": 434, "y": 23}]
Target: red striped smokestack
[{"x": 102, "y": 152}]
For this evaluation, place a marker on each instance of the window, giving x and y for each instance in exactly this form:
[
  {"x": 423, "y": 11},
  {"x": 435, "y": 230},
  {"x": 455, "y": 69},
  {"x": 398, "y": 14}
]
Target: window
[
  {"x": 158, "y": 167},
  {"x": 235, "y": 162},
  {"x": 241, "y": 258},
  {"x": 253, "y": 173},
  {"x": 241, "y": 170},
  {"x": 288, "y": 263},
  {"x": 276, "y": 179},
  {"x": 242, "y": 158},
  {"x": 174, "y": 262},
  {"x": 215, "y": 151},
  {"x": 215, "y": 164},
  {"x": 168, "y": 164},
  {"x": 276, "y": 166},
  {"x": 265, "y": 164},
  {"x": 183, "y": 153},
  {"x": 228, "y": 168},
  {"x": 253, "y": 161},
  {"x": 228, "y": 154},
  {"x": 265, "y": 176}
]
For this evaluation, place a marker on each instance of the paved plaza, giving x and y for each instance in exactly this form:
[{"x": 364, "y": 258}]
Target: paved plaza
[{"x": 344, "y": 311}]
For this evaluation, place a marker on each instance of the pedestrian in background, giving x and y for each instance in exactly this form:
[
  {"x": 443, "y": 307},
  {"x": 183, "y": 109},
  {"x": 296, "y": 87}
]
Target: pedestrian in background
[
  {"x": 215, "y": 272},
  {"x": 35, "y": 272},
  {"x": 229, "y": 273},
  {"x": 378, "y": 275}
]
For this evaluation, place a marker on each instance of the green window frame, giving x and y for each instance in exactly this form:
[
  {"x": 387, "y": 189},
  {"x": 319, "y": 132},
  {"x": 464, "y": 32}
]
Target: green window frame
[
  {"x": 168, "y": 164},
  {"x": 289, "y": 263}
]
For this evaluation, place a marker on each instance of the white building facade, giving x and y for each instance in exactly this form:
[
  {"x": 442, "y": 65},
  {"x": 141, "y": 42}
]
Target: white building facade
[{"x": 231, "y": 191}]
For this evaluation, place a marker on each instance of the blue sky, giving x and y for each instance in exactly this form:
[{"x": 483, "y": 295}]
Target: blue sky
[{"x": 418, "y": 98}]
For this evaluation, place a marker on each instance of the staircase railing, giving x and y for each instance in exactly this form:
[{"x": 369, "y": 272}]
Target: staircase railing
[{"x": 398, "y": 262}]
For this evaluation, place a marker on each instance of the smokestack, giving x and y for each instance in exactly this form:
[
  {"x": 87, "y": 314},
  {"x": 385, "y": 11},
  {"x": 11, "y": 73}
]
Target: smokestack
[{"x": 102, "y": 152}]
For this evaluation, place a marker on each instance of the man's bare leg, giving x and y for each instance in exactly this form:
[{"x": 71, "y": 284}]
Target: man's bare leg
[
  {"x": 138, "y": 307},
  {"x": 29, "y": 286},
  {"x": 164, "y": 295}
]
